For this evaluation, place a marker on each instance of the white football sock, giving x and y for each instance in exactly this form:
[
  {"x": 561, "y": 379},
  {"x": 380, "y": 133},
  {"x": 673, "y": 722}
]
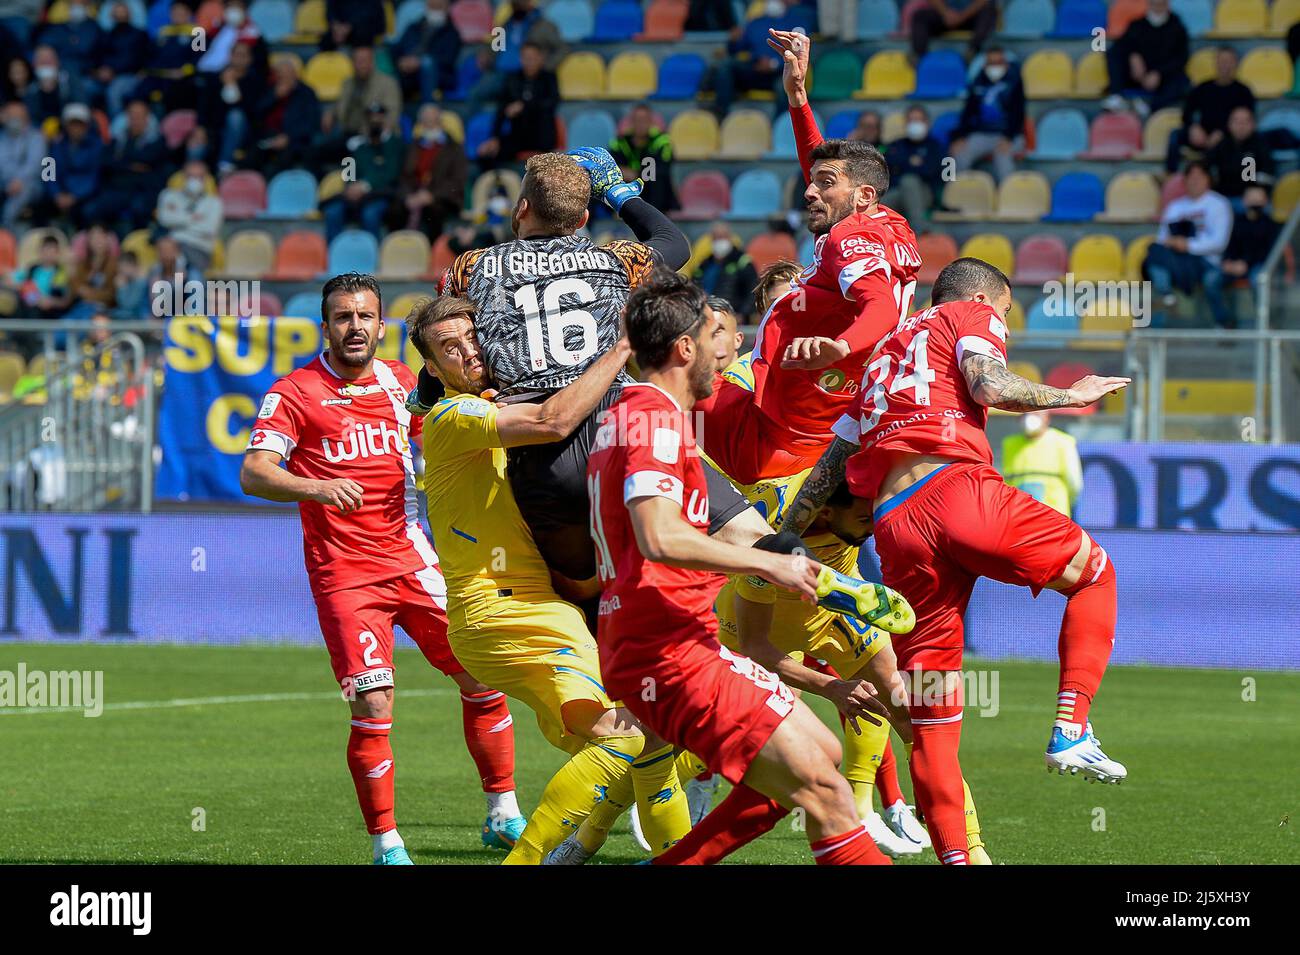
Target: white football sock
[
  {"x": 502, "y": 805},
  {"x": 382, "y": 842}
]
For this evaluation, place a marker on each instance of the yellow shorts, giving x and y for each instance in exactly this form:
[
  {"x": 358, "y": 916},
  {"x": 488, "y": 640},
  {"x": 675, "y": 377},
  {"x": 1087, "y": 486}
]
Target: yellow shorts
[{"x": 539, "y": 652}]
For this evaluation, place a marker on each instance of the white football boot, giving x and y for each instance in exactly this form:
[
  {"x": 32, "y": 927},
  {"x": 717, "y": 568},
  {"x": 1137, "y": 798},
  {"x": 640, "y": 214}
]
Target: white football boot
[
  {"x": 886, "y": 840},
  {"x": 1082, "y": 755},
  {"x": 900, "y": 818}
]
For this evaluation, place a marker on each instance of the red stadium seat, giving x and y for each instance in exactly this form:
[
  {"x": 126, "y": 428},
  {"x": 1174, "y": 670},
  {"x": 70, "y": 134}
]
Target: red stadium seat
[
  {"x": 937, "y": 250},
  {"x": 704, "y": 195},
  {"x": 270, "y": 303},
  {"x": 243, "y": 194},
  {"x": 1039, "y": 259},
  {"x": 1114, "y": 136},
  {"x": 665, "y": 20},
  {"x": 177, "y": 125},
  {"x": 768, "y": 247},
  {"x": 300, "y": 256},
  {"x": 8, "y": 251},
  {"x": 1067, "y": 373},
  {"x": 473, "y": 19},
  {"x": 1174, "y": 188},
  {"x": 441, "y": 257}
]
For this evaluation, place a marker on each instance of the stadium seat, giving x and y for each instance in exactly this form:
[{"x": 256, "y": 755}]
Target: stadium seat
[
  {"x": 29, "y": 246},
  {"x": 1048, "y": 74},
  {"x": 1113, "y": 136},
  {"x": 1134, "y": 255},
  {"x": 243, "y": 194},
  {"x": 310, "y": 23},
  {"x": 755, "y": 194},
  {"x": 1016, "y": 318},
  {"x": 300, "y": 257},
  {"x": 1288, "y": 118},
  {"x": 8, "y": 251},
  {"x": 1197, "y": 15},
  {"x": 769, "y": 247},
  {"x": 877, "y": 19},
  {"x": 1024, "y": 196},
  {"x": 12, "y": 367},
  {"x": 326, "y": 73},
  {"x": 291, "y": 194},
  {"x": 269, "y": 303},
  {"x": 970, "y": 195},
  {"x": 489, "y": 184},
  {"x": 303, "y": 305},
  {"x": 1097, "y": 258},
  {"x": 665, "y": 21},
  {"x": 441, "y": 256},
  {"x": 694, "y": 134},
  {"x": 1240, "y": 18},
  {"x": 473, "y": 19},
  {"x": 1026, "y": 369},
  {"x": 1131, "y": 197},
  {"x": 208, "y": 16},
  {"x": 1099, "y": 318},
  {"x": 1040, "y": 258},
  {"x": 1155, "y": 133},
  {"x": 937, "y": 250},
  {"x": 477, "y": 132},
  {"x": 841, "y": 124},
  {"x": 274, "y": 18},
  {"x": 941, "y": 74},
  {"x": 680, "y": 76},
  {"x": 1200, "y": 65},
  {"x": 631, "y": 76},
  {"x": 1091, "y": 77},
  {"x": 1028, "y": 19},
  {"x": 1050, "y": 316},
  {"x": 893, "y": 125},
  {"x": 1076, "y": 197},
  {"x": 835, "y": 75},
  {"x": 573, "y": 18},
  {"x": 1209, "y": 396},
  {"x": 404, "y": 254},
  {"x": 1172, "y": 188},
  {"x": 250, "y": 254},
  {"x": 992, "y": 248},
  {"x": 353, "y": 251},
  {"x": 581, "y": 76},
  {"x": 783, "y": 144},
  {"x": 887, "y": 75},
  {"x": 1286, "y": 195},
  {"x": 591, "y": 127},
  {"x": 1268, "y": 72},
  {"x": 704, "y": 194},
  {"x": 1076, "y": 19},
  {"x": 1282, "y": 16},
  {"x": 617, "y": 21},
  {"x": 141, "y": 243},
  {"x": 400, "y": 307},
  {"x": 944, "y": 125},
  {"x": 1121, "y": 14},
  {"x": 408, "y": 13},
  {"x": 745, "y": 134},
  {"x": 177, "y": 125}
]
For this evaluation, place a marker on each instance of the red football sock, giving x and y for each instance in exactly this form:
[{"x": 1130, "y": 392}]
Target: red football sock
[
  {"x": 936, "y": 781},
  {"x": 370, "y": 758},
  {"x": 490, "y": 738},
  {"x": 1087, "y": 637},
  {"x": 848, "y": 848},
  {"x": 736, "y": 821},
  {"x": 887, "y": 777}
]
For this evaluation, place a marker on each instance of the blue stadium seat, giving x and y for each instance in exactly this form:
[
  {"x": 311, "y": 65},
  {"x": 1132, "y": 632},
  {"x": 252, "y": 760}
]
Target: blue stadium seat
[
  {"x": 783, "y": 144},
  {"x": 806, "y": 250},
  {"x": 1028, "y": 19},
  {"x": 680, "y": 76},
  {"x": 573, "y": 18},
  {"x": 303, "y": 305},
  {"x": 1076, "y": 197},
  {"x": 1039, "y": 320},
  {"x": 411, "y": 11},
  {"x": 1061, "y": 134},
  {"x": 274, "y": 18},
  {"x": 591, "y": 127},
  {"x": 1197, "y": 15},
  {"x": 755, "y": 194},
  {"x": 1286, "y": 117},
  {"x": 158, "y": 16},
  {"x": 291, "y": 194},
  {"x": 842, "y": 123},
  {"x": 477, "y": 131},
  {"x": 941, "y": 74},
  {"x": 467, "y": 74},
  {"x": 1078, "y": 18},
  {"x": 617, "y": 22},
  {"x": 354, "y": 251},
  {"x": 944, "y": 124},
  {"x": 877, "y": 19}
]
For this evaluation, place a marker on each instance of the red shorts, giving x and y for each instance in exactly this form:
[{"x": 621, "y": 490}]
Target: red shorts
[
  {"x": 745, "y": 444},
  {"x": 357, "y": 623},
  {"x": 963, "y": 523},
  {"x": 719, "y": 705}
]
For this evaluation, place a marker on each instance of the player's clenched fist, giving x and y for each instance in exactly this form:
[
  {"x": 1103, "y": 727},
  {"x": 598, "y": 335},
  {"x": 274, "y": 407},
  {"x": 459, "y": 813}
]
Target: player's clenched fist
[
  {"x": 1093, "y": 388},
  {"x": 343, "y": 493}
]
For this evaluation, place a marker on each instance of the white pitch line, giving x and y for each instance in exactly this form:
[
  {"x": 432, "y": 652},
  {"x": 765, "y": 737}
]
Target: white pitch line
[{"x": 203, "y": 701}]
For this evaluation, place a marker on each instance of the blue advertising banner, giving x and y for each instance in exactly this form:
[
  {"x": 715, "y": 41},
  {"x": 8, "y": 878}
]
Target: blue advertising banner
[
  {"x": 1207, "y": 599},
  {"x": 217, "y": 370}
]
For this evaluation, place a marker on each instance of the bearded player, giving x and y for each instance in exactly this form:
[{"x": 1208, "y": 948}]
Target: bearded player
[
  {"x": 915, "y": 446},
  {"x": 339, "y": 427}
]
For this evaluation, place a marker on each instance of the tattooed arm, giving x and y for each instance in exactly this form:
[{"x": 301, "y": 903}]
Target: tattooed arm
[
  {"x": 824, "y": 478},
  {"x": 993, "y": 385}
]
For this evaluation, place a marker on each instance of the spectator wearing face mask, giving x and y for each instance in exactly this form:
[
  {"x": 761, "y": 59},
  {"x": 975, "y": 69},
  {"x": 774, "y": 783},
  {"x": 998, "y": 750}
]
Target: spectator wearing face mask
[
  {"x": 728, "y": 272},
  {"x": 427, "y": 52},
  {"x": 1044, "y": 463},
  {"x": 379, "y": 160},
  {"x": 750, "y": 64},
  {"x": 915, "y": 167},
  {"x": 432, "y": 186},
  {"x": 1241, "y": 158},
  {"x": 193, "y": 215},
  {"x": 1147, "y": 65},
  {"x": 126, "y": 51},
  {"x": 79, "y": 41},
  {"x": 1206, "y": 111},
  {"x": 1194, "y": 231},
  {"x": 51, "y": 90},
  {"x": 236, "y": 28},
  {"x": 992, "y": 118},
  {"x": 22, "y": 151},
  {"x": 133, "y": 172},
  {"x": 938, "y": 17},
  {"x": 1254, "y": 233}
]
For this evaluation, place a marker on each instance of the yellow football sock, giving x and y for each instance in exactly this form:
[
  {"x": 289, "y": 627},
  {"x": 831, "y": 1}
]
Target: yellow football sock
[
  {"x": 596, "y": 827},
  {"x": 660, "y": 799},
  {"x": 689, "y": 766},
  {"x": 974, "y": 842},
  {"x": 862, "y": 756},
  {"x": 567, "y": 800}
]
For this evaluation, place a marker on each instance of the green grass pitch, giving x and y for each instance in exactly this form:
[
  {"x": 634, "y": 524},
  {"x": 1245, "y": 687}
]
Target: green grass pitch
[{"x": 1212, "y": 778}]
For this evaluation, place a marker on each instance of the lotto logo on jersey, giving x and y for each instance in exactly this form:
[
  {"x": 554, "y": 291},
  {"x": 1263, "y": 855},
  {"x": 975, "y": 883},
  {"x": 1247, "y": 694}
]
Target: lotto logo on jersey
[{"x": 364, "y": 441}]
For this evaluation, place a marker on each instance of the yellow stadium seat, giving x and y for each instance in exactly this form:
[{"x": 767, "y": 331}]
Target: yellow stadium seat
[
  {"x": 58, "y": 13},
  {"x": 487, "y": 184},
  {"x": 994, "y": 249},
  {"x": 1048, "y": 74},
  {"x": 390, "y": 19},
  {"x": 452, "y": 125},
  {"x": 1282, "y": 16},
  {"x": 1134, "y": 256},
  {"x": 971, "y": 194},
  {"x": 29, "y": 248},
  {"x": 1286, "y": 195},
  {"x": 1131, "y": 197},
  {"x": 1237, "y": 18},
  {"x": 1023, "y": 197},
  {"x": 331, "y": 184},
  {"x": 1200, "y": 66},
  {"x": 1026, "y": 369},
  {"x": 1090, "y": 76},
  {"x": 401, "y": 306},
  {"x": 1209, "y": 396},
  {"x": 745, "y": 134},
  {"x": 1155, "y": 133},
  {"x": 12, "y": 367},
  {"x": 282, "y": 56},
  {"x": 218, "y": 263},
  {"x": 141, "y": 243},
  {"x": 893, "y": 126},
  {"x": 326, "y": 73},
  {"x": 887, "y": 75},
  {"x": 1016, "y": 317},
  {"x": 310, "y": 23},
  {"x": 1097, "y": 258},
  {"x": 701, "y": 249},
  {"x": 581, "y": 76},
  {"x": 1268, "y": 71},
  {"x": 1112, "y": 324},
  {"x": 694, "y": 134},
  {"x": 404, "y": 255},
  {"x": 631, "y": 76},
  {"x": 250, "y": 254}
]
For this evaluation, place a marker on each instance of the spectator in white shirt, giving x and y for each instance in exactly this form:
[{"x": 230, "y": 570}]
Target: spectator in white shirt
[
  {"x": 1194, "y": 231},
  {"x": 193, "y": 215}
]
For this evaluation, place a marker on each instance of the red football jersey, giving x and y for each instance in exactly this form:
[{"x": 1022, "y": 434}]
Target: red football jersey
[
  {"x": 328, "y": 427},
  {"x": 914, "y": 398},
  {"x": 860, "y": 284},
  {"x": 646, "y": 448}
]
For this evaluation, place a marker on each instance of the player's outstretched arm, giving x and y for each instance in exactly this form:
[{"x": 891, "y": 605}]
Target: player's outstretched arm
[
  {"x": 555, "y": 418},
  {"x": 261, "y": 476},
  {"x": 824, "y": 478},
  {"x": 993, "y": 385},
  {"x": 654, "y": 229},
  {"x": 794, "y": 49}
]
